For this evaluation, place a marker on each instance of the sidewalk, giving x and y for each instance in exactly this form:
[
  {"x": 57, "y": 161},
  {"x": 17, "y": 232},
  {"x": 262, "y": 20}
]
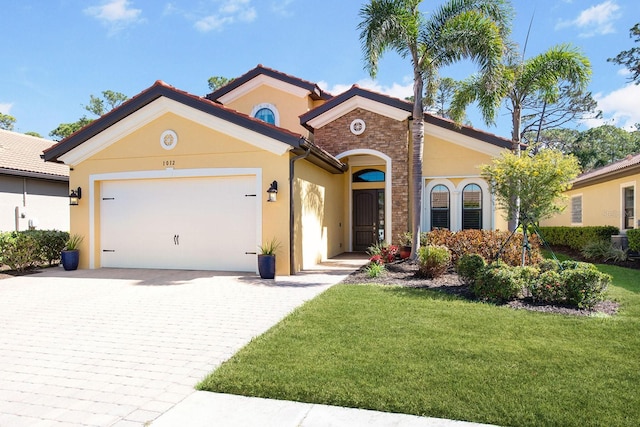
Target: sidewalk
[{"x": 225, "y": 410}]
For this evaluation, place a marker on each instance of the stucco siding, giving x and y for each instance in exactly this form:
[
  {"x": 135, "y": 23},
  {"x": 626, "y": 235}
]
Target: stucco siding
[
  {"x": 199, "y": 150},
  {"x": 602, "y": 204},
  {"x": 40, "y": 203},
  {"x": 318, "y": 214}
]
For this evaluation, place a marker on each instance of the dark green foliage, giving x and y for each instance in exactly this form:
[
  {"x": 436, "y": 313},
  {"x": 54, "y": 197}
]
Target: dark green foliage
[
  {"x": 548, "y": 288},
  {"x": 49, "y": 243},
  {"x": 584, "y": 285},
  {"x": 498, "y": 283},
  {"x": 634, "y": 239},
  {"x": 23, "y": 249},
  {"x": 577, "y": 237},
  {"x": 468, "y": 267},
  {"x": 433, "y": 260},
  {"x": 18, "y": 250}
]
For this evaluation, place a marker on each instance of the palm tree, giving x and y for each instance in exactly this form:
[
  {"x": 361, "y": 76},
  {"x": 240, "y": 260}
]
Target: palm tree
[
  {"x": 459, "y": 29},
  {"x": 521, "y": 81}
]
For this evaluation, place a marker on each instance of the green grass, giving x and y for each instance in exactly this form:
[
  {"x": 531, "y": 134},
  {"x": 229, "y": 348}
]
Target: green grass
[{"x": 421, "y": 352}]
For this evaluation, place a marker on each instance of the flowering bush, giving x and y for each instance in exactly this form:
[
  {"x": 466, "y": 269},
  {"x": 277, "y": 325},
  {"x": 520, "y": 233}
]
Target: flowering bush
[
  {"x": 498, "y": 283},
  {"x": 382, "y": 253},
  {"x": 548, "y": 288}
]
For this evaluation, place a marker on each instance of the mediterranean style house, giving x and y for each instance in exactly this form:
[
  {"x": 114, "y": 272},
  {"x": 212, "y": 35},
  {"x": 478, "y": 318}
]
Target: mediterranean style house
[
  {"x": 33, "y": 194},
  {"x": 604, "y": 196},
  {"x": 174, "y": 180}
]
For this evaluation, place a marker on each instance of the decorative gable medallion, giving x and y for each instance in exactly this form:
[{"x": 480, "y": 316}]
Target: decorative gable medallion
[
  {"x": 358, "y": 127},
  {"x": 168, "y": 139}
]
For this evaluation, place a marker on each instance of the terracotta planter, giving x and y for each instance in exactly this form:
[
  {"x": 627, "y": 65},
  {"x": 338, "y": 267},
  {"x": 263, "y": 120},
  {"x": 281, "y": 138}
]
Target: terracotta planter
[
  {"x": 267, "y": 266},
  {"x": 70, "y": 259},
  {"x": 405, "y": 252}
]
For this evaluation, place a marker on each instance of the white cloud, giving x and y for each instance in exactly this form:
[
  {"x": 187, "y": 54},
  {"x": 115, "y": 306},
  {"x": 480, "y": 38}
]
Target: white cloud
[
  {"x": 596, "y": 20},
  {"x": 396, "y": 90},
  {"x": 229, "y": 12},
  {"x": 115, "y": 14},
  {"x": 5, "y": 108},
  {"x": 281, "y": 7},
  {"x": 620, "y": 108}
]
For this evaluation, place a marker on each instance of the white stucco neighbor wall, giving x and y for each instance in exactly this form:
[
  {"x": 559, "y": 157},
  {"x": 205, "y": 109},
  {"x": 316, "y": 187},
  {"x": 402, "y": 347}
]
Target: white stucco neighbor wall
[{"x": 39, "y": 203}]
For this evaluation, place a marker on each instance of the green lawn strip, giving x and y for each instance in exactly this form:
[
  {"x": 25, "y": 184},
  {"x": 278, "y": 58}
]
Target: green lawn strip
[{"x": 421, "y": 352}]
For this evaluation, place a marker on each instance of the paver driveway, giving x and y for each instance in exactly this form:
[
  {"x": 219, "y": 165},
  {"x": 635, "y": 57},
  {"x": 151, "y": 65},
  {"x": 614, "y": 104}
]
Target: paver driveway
[{"x": 119, "y": 347}]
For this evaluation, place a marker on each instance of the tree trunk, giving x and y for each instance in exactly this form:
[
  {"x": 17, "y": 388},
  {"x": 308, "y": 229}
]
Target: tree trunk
[
  {"x": 417, "y": 129},
  {"x": 516, "y": 119}
]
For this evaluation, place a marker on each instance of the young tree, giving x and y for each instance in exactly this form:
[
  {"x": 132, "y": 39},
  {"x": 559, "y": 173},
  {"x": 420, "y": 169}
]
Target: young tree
[
  {"x": 471, "y": 29},
  {"x": 6, "y": 121},
  {"x": 216, "y": 82},
  {"x": 631, "y": 58},
  {"x": 97, "y": 106},
  {"x": 536, "y": 181}
]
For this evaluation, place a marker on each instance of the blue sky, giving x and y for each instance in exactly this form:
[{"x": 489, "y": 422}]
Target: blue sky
[{"x": 58, "y": 52}]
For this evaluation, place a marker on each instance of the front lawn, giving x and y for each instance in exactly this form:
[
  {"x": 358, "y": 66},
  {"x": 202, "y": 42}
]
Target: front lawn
[{"x": 421, "y": 352}]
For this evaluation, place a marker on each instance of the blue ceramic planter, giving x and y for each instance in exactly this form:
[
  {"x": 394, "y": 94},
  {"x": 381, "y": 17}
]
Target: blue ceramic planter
[
  {"x": 267, "y": 266},
  {"x": 70, "y": 259}
]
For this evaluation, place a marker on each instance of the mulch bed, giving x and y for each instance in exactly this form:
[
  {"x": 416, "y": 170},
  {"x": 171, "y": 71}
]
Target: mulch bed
[{"x": 404, "y": 273}]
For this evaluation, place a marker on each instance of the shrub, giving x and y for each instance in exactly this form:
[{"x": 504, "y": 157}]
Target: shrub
[
  {"x": 548, "y": 265},
  {"x": 433, "y": 260},
  {"x": 498, "y": 283},
  {"x": 375, "y": 269},
  {"x": 382, "y": 252},
  {"x": 585, "y": 286},
  {"x": 18, "y": 250},
  {"x": 50, "y": 243},
  {"x": 548, "y": 288},
  {"x": 634, "y": 239},
  {"x": 577, "y": 237},
  {"x": 468, "y": 267},
  {"x": 485, "y": 243}
]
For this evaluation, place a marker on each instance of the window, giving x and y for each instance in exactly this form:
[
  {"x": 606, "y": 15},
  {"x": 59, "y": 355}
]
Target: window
[
  {"x": 440, "y": 207},
  {"x": 576, "y": 210},
  {"x": 267, "y": 113},
  {"x": 368, "y": 175},
  {"x": 472, "y": 207},
  {"x": 629, "y": 214}
]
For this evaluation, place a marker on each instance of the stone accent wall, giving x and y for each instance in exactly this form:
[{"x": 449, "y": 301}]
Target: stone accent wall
[{"x": 382, "y": 134}]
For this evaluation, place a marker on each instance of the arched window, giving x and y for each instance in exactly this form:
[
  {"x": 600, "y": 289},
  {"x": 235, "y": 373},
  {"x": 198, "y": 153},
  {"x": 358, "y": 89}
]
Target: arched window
[
  {"x": 266, "y": 115},
  {"x": 368, "y": 175},
  {"x": 440, "y": 207},
  {"x": 472, "y": 207}
]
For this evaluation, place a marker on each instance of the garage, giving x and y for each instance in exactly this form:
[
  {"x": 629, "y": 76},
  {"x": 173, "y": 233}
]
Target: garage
[{"x": 199, "y": 223}]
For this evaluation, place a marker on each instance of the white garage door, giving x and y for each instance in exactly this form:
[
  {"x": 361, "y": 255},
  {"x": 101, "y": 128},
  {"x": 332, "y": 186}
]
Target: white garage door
[{"x": 187, "y": 223}]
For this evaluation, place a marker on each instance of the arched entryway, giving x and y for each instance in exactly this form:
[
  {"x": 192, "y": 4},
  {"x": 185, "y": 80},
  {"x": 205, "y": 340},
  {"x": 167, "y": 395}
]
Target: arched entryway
[{"x": 369, "y": 192}]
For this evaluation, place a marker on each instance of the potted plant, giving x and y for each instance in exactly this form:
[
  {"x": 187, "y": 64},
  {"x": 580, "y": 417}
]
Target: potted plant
[
  {"x": 267, "y": 259},
  {"x": 70, "y": 255},
  {"x": 404, "y": 241}
]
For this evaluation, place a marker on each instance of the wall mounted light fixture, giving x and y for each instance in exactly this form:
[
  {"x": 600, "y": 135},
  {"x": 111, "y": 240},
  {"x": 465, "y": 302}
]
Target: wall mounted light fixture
[
  {"x": 272, "y": 192},
  {"x": 75, "y": 196}
]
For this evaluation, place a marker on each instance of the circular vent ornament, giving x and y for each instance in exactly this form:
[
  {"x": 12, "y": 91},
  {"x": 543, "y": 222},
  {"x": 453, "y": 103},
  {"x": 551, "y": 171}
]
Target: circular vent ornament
[
  {"x": 168, "y": 139},
  {"x": 357, "y": 127}
]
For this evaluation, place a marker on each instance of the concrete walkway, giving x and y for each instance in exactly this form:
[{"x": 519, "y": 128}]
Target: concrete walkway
[{"x": 124, "y": 347}]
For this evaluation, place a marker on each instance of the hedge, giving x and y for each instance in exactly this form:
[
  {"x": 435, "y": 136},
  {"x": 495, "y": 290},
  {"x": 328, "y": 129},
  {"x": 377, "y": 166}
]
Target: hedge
[
  {"x": 577, "y": 237},
  {"x": 20, "y": 250},
  {"x": 634, "y": 239}
]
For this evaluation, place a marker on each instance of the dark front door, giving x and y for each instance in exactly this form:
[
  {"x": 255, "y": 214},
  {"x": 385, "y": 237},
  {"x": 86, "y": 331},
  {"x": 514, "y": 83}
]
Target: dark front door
[{"x": 368, "y": 218}]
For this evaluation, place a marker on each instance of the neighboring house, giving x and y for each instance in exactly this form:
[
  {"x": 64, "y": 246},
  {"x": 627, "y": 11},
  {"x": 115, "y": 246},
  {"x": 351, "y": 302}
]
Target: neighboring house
[
  {"x": 604, "y": 196},
  {"x": 174, "y": 180},
  {"x": 33, "y": 193}
]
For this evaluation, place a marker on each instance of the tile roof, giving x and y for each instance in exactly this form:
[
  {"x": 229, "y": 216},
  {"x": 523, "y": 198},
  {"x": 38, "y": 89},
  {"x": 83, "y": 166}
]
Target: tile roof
[
  {"x": 617, "y": 168},
  {"x": 313, "y": 88},
  {"x": 20, "y": 155}
]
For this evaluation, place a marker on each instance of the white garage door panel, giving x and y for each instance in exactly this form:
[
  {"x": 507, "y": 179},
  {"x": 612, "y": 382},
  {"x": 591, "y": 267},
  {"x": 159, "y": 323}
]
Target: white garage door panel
[{"x": 187, "y": 223}]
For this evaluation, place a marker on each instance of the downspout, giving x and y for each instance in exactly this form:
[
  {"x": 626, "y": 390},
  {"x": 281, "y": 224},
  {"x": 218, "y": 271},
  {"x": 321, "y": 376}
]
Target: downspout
[{"x": 291, "y": 213}]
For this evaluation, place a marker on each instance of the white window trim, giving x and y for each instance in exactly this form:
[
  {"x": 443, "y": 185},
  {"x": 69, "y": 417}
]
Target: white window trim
[
  {"x": 426, "y": 203},
  {"x": 624, "y": 185},
  {"x": 271, "y": 107},
  {"x": 487, "y": 211},
  {"x": 577, "y": 224}
]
